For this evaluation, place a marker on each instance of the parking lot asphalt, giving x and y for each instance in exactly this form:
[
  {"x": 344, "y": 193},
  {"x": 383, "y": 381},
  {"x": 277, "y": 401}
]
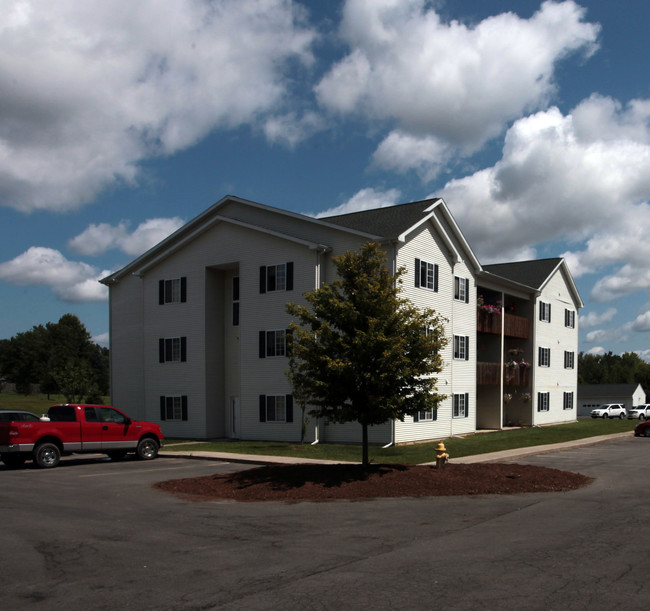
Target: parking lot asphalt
[{"x": 93, "y": 534}]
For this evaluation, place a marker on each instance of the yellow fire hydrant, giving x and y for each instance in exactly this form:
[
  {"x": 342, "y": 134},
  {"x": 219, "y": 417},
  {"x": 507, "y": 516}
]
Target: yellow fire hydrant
[{"x": 441, "y": 455}]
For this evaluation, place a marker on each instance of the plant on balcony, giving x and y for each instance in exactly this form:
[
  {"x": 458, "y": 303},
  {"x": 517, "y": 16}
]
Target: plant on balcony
[
  {"x": 512, "y": 364},
  {"x": 507, "y": 397},
  {"x": 488, "y": 307},
  {"x": 515, "y": 352},
  {"x": 524, "y": 364},
  {"x": 525, "y": 397}
]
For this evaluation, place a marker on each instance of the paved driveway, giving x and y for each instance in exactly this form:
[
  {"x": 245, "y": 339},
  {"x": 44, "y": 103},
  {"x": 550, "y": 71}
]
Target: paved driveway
[{"x": 95, "y": 535}]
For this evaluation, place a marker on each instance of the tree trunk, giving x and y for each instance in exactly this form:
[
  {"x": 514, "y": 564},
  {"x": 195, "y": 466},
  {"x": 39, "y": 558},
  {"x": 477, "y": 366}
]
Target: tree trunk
[{"x": 364, "y": 459}]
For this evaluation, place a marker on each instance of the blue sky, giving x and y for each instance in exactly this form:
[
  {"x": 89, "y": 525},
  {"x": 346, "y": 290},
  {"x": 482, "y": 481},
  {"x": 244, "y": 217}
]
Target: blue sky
[{"x": 531, "y": 120}]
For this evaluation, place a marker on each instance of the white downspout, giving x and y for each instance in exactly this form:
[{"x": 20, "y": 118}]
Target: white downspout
[{"x": 503, "y": 331}]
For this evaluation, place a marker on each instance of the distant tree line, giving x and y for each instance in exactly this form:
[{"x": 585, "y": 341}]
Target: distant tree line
[
  {"x": 626, "y": 368},
  {"x": 60, "y": 358}
]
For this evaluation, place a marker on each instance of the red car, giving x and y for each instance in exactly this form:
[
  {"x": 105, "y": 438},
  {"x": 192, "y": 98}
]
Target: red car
[{"x": 642, "y": 429}]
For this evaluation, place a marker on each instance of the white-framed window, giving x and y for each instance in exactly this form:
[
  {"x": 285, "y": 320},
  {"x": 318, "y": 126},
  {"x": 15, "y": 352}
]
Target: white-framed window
[
  {"x": 274, "y": 343},
  {"x": 568, "y": 400},
  {"x": 276, "y": 408},
  {"x": 277, "y": 277},
  {"x": 172, "y": 291},
  {"x": 543, "y": 401},
  {"x": 172, "y": 349},
  {"x": 429, "y": 415},
  {"x": 461, "y": 347},
  {"x": 569, "y": 319},
  {"x": 461, "y": 405},
  {"x": 461, "y": 289},
  {"x": 544, "y": 357},
  {"x": 235, "y": 301},
  {"x": 569, "y": 359},
  {"x": 544, "y": 311},
  {"x": 173, "y": 407},
  {"x": 426, "y": 275}
]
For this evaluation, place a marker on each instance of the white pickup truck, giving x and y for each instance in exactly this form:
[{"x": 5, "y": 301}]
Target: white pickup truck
[{"x": 609, "y": 410}]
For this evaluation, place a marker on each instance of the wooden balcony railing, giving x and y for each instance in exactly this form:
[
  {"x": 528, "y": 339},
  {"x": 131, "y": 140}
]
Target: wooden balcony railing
[
  {"x": 490, "y": 374},
  {"x": 514, "y": 326}
]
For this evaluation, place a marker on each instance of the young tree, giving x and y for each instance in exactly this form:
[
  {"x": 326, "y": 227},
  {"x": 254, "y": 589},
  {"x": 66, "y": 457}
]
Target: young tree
[{"x": 362, "y": 352}]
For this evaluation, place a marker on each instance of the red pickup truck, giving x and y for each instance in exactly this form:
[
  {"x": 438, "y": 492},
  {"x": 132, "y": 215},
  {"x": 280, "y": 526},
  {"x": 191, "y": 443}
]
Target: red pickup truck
[{"x": 76, "y": 429}]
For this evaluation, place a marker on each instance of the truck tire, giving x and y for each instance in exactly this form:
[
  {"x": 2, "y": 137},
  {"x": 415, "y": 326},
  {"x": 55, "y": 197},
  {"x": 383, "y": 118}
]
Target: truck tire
[
  {"x": 147, "y": 448},
  {"x": 13, "y": 461},
  {"x": 46, "y": 455}
]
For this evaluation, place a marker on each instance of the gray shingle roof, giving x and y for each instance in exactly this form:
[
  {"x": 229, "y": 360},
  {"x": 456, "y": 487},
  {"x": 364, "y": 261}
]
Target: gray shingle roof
[
  {"x": 596, "y": 391},
  {"x": 387, "y": 222},
  {"x": 529, "y": 273}
]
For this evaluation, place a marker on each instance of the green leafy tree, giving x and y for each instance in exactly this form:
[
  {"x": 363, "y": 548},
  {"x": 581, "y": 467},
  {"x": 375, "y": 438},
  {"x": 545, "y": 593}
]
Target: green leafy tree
[
  {"x": 48, "y": 354},
  {"x": 362, "y": 352}
]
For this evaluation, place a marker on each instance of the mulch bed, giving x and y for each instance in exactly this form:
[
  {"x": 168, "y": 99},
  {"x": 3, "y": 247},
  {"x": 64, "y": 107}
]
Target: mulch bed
[{"x": 319, "y": 482}]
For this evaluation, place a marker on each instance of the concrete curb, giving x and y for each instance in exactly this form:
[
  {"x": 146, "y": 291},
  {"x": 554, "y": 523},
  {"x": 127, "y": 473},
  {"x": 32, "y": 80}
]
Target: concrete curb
[{"x": 504, "y": 455}]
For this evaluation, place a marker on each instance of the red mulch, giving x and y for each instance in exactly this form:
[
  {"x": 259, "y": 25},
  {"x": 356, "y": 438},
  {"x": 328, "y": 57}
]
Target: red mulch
[{"x": 324, "y": 482}]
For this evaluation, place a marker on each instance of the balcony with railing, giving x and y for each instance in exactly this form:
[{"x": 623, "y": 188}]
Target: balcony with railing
[
  {"x": 490, "y": 374},
  {"x": 513, "y": 326}
]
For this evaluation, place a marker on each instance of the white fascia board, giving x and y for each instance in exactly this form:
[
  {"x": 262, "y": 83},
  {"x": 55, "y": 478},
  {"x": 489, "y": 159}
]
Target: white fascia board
[
  {"x": 573, "y": 289},
  {"x": 458, "y": 234},
  {"x": 224, "y": 219},
  {"x": 499, "y": 283}
]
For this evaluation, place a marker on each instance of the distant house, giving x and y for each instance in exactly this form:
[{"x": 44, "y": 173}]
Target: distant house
[
  {"x": 198, "y": 324},
  {"x": 593, "y": 395}
]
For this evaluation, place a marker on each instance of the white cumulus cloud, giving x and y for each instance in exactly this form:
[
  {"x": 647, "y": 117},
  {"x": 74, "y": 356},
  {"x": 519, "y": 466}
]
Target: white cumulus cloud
[
  {"x": 447, "y": 84},
  {"x": 71, "y": 281},
  {"x": 366, "y": 199},
  {"x": 98, "y": 238},
  {"x": 89, "y": 89},
  {"x": 562, "y": 177}
]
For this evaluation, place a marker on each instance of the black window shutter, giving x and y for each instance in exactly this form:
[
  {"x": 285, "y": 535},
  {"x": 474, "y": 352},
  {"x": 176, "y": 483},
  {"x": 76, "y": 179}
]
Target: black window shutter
[
  {"x": 162, "y": 407},
  {"x": 466, "y": 405},
  {"x": 539, "y": 356},
  {"x": 161, "y": 350},
  {"x": 289, "y": 408},
  {"x": 262, "y": 344},
  {"x": 466, "y": 290},
  {"x": 288, "y": 341},
  {"x": 467, "y": 347},
  {"x": 161, "y": 292},
  {"x": 183, "y": 289},
  {"x": 183, "y": 349},
  {"x": 549, "y": 312},
  {"x": 435, "y": 277},
  {"x": 289, "y": 283},
  {"x": 263, "y": 279},
  {"x": 262, "y": 408},
  {"x": 541, "y": 310},
  {"x": 417, "y": 272},
  {"x": 435, "y": 414},
  {"x": 184, "y": 407},
  {"x": 416, "y": 417}
]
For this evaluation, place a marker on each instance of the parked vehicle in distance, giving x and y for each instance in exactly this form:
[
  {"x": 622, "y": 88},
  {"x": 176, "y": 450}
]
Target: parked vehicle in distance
[
  {"x": 17, "y": 415},
  {"x": 77, "y": 429},
  {"x": 609, "y": 410},
  {"x": 642, "y": 429},
  {"x": 642, "y": 412}
]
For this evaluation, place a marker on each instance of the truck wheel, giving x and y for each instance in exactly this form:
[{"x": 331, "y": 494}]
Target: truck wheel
[
  {"x": 605, "y": 416},
  {"x": 147, "y": 449},
  {"x": 13, "y": 461},
  {"x": 47, "y": 455},
  {"x": 621, "y": 416}
]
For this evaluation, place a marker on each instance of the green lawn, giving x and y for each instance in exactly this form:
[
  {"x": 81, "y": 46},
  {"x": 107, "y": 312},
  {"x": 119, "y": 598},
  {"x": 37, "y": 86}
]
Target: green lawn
[{"x": 478, "y": 443}]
